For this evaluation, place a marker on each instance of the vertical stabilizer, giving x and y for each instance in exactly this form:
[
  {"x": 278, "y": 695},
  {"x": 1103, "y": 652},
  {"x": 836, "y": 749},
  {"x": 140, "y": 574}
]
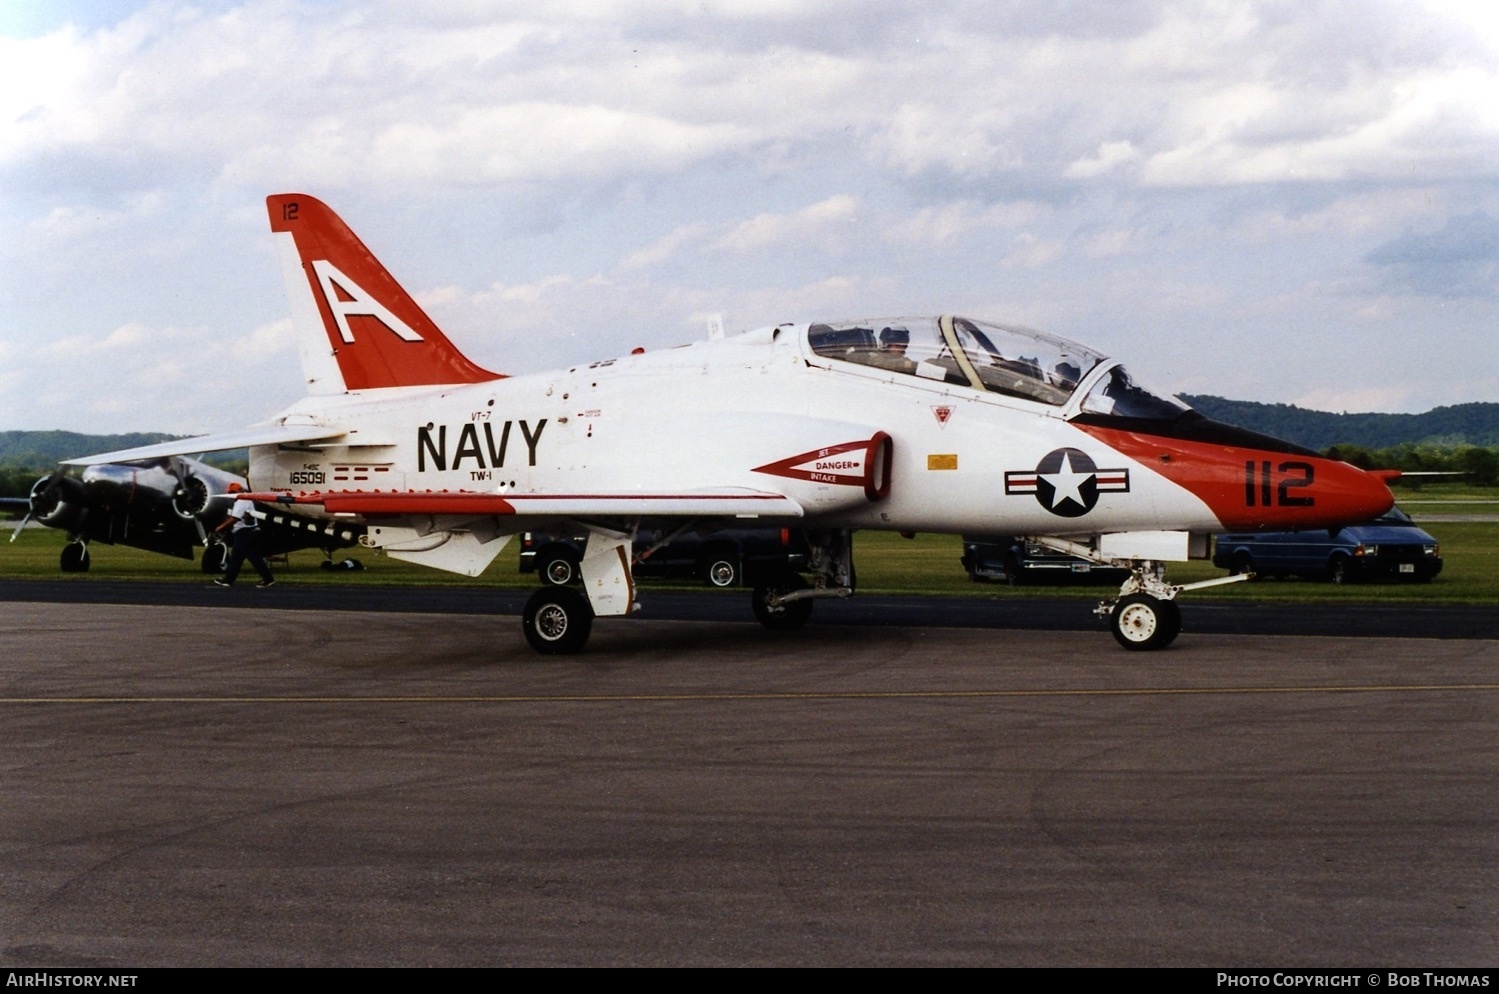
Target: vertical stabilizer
[{"x": 356, "y": 328}]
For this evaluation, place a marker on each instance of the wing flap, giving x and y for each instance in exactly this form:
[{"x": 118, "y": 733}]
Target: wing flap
[{"x": 718, "y": 503}]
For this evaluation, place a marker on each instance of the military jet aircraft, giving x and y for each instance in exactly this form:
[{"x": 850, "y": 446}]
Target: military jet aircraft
[
  {"x": 938, "y": 424},
  {"x": 166, "y": 504}
]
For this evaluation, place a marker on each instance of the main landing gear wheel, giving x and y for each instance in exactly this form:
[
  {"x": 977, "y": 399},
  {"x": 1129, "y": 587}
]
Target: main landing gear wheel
[
  {"x": 557, "y": 621},
  {"x": 786, "y": 617},
  {"x": 74, "y": 558},
  {"x": 1141, "y": 621},
  {"x": 213, "y": 558}
]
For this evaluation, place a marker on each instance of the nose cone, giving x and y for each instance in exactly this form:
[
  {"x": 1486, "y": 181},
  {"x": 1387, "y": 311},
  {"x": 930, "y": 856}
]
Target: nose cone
[
  {"x": 1344, "y": 495},
  {"x": 1265, "y": 490},
  {"x": 1252, "y": 482}
]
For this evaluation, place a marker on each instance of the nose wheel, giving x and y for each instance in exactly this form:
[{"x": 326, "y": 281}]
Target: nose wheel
[{"x": 1141, "y": 622}]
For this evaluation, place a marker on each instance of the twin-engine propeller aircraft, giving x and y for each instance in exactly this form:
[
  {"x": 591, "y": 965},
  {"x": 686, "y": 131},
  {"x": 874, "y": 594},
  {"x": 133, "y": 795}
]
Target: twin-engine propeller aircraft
[
  {"x": 938, "y": 424},
  {"x": 167, "y": 504}
]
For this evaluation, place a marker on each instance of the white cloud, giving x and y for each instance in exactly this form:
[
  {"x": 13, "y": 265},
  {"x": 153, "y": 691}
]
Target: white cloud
[
  {"x": 1032, "y": 252},
  {"x": 949, "y": 222},
  {"x": 1110, "y": 155},
  {"x": 1354, "y": 399},
  {"x": 73, "y": 223},
  {"x": 269, "y": 340},
  {"x": 825, "y": 223},
  {"x": 1150, "y": 174},
  {"x": 664, "y": 249}
]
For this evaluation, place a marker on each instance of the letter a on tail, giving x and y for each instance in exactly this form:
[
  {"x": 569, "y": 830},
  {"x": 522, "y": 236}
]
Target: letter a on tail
[{"x": 357, "y": 329}]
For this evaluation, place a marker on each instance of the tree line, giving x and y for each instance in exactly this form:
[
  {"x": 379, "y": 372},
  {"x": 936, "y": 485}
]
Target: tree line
[{"x": 1476, "y": 464}]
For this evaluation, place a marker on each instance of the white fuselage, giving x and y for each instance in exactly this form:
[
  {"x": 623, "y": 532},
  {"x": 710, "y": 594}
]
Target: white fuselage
[{"x": 712, "y": 416}]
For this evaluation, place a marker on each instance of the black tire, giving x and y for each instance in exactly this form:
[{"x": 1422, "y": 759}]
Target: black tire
[
  {"x": 342, "y": 564},
  {"x": 74, "y": 558},
  {"x": 1339, "y": 570},
  {"x": 213, "y": 558},
  {"x": 1141, "y": 622},
  {"x": 558, "y": 567},
  {"x": 787, "y": 617},
  {"x": 557, "y": 621},
  {"x": 721, "y": 571},
  {"x": 1242, "y": 563}
]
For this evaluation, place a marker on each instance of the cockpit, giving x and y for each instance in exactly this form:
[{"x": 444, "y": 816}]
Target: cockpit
[{"x": 1014, "y": 362}]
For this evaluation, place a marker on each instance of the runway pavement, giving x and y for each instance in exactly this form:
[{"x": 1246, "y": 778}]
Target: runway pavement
[
  {"x": 1370, "y": 620},
  {"x": 191, "y": 785}
]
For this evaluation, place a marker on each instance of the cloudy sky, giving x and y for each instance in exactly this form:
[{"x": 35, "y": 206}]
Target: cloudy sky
[{"x": 1282, "y": 201}]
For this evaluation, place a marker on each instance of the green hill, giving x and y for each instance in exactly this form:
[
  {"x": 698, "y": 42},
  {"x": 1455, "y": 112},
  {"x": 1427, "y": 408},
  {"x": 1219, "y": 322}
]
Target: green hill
[
  {"x": 43, "y": 450},
  {"x": 1461, "y": 424}
]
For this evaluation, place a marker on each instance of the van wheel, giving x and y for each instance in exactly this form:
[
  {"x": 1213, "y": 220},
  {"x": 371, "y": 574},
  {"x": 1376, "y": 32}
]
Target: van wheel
[
  {"x": 1014, "y": 572},
  {"x": 721, "y": 572},
  {"x": 1242, "y": 563},
  {"x": 1338, "y": 570}
]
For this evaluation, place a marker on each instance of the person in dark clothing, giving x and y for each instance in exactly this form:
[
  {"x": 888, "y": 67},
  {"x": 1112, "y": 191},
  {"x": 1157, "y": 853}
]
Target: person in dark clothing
[{"x": 244, "y": 542}]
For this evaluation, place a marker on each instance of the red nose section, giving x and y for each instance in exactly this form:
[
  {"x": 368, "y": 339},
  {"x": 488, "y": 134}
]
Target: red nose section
[{"x": 1257, "y": 489}]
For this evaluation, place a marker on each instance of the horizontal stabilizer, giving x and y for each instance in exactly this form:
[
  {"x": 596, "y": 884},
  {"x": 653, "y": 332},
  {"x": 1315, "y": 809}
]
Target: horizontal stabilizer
[
  {"x": 718, "y": 503},
  {"x": 263, "y": 435}
]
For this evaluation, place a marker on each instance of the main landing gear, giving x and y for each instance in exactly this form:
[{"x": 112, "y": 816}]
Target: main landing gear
[
  {"x": 74, "y": 557},
  {"x": 784, "y": 603},
  {"x": 557, "y": 620}
]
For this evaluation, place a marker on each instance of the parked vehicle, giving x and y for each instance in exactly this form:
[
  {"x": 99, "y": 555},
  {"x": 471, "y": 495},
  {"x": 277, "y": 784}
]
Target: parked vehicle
[
  {"x": 1392, "y": 547},
  {"x": 724, "y": 558},
  {"x": 1013, "y": 561}
]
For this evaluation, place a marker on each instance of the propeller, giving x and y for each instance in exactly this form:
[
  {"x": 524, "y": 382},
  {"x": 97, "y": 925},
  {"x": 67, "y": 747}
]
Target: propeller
[{"x": 43, "y": 498}]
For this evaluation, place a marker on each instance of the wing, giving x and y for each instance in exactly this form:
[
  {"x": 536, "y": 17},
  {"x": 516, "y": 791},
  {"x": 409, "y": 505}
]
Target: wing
[
  {"x": 463, "y": 531},
  {"x": 262, "y": 435},
  {"x": 729, "y": 503}
]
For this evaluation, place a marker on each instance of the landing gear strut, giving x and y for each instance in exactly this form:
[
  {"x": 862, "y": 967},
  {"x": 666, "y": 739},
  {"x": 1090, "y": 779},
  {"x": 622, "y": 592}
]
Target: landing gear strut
[
  {"x": 774, "y": 611},
  {"x": 1144, "y": 615},
  {"x": 785, "y": 604},
  {"x": 74, "y": 558}
]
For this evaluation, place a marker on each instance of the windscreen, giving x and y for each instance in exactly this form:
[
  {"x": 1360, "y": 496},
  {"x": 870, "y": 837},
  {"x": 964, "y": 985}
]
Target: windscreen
[
  {"x": 1016, "y": 362},
  {"x": 1118, "y": 395}
]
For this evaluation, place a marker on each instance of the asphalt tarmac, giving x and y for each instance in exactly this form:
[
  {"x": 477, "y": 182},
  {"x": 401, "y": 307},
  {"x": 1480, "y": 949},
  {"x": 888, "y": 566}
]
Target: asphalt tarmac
[
  {"x": 233, "y": 785},
  {"x": 1371, "y": 620}
]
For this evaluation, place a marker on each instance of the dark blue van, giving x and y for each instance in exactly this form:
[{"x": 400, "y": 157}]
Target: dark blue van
[{"x": 1391, "y": 547}]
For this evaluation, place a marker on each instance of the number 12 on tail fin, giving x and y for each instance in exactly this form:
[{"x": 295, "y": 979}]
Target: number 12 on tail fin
[{"x": 357, "y": 328}]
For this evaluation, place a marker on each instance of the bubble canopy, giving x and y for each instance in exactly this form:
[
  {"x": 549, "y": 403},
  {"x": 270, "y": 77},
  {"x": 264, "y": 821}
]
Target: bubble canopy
[{"x": 994, "y": 358}]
